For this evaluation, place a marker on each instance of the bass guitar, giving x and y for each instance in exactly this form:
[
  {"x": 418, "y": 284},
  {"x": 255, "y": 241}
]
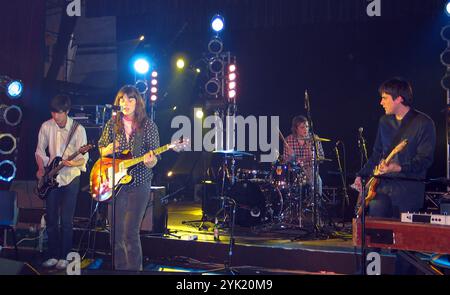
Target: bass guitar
[{"x": 48, "y": 181}]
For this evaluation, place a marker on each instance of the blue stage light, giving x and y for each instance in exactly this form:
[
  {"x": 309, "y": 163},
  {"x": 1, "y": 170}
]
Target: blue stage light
[
  {"x": 14, "y": 89},
  {"x": 141, "y": 66},
  {"x": 217, "y": 23},
  {"x": 447, "y": 8}
]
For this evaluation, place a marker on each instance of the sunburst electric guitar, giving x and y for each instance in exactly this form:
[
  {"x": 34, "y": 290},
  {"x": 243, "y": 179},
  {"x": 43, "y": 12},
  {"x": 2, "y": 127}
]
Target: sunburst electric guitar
[
  {"x": 373, "y": 181},
  {"x": 101, "y": 177}
]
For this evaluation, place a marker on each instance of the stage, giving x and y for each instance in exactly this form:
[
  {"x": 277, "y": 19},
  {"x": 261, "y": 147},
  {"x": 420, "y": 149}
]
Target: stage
[{"x": 266, "y": 249}]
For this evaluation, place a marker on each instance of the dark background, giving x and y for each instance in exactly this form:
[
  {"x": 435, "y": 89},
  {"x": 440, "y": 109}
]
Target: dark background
[{"x": 331, "y": 48}]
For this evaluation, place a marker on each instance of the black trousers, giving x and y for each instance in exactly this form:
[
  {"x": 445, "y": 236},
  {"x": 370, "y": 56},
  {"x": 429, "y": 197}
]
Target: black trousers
[{"x": 130, "y": 206}]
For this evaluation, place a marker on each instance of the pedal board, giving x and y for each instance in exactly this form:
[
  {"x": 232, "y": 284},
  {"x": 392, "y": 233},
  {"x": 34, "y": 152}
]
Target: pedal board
[{"x": 425, "y": 218}]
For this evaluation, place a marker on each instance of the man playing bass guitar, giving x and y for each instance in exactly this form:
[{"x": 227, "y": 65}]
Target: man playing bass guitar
[
  {"x": 401, "y": 121},
  {"x": 62, "y": 136}
]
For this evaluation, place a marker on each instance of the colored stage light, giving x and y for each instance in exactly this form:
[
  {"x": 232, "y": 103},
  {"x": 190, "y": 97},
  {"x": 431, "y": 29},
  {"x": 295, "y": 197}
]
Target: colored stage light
[
  {"x": 199, "y": 114},
  {"x": 447, "y": 8},
  {"x": 141, "y": 66},
  {"x": 217, "y": 23},
  {"x": 180, "y": 63}
]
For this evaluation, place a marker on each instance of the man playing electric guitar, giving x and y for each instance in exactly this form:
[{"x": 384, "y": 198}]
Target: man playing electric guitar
[
  {"x": 63, "y": 137},
  {"x": 394, "y": 196}
]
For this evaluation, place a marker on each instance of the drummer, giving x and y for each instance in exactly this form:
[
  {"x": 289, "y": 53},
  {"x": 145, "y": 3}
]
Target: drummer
[{"x": 299, "y": 149}]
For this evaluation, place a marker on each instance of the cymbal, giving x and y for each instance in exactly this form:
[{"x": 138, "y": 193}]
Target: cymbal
[
  {"x": 322, "y": 139},
  {"x": 233, "y": 153}
]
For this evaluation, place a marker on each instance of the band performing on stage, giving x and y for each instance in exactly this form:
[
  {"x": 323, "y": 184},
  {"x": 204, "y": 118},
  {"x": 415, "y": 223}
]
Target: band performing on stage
[{"x": 151, "y": 152}]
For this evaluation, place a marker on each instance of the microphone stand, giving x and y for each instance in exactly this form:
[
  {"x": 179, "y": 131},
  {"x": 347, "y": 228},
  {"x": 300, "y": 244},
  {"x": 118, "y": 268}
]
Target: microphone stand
[
  {"x": 113, "y": 214},
  {"x": 342, "y": 172},
  {"x": 363, "y": 155},
  {"x": 315, "y": 165}
]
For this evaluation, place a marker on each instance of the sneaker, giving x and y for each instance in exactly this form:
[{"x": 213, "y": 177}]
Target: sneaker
[
  {"x": 50, "y": 262},
  {"x": 62, "y": 264}
]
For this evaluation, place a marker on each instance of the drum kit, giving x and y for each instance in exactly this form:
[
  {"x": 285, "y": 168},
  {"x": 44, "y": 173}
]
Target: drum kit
[{"x": 278, "y": 196}]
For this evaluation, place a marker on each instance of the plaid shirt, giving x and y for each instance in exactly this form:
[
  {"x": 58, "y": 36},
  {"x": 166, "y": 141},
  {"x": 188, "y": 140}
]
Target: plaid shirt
[{"x": 303, "y": 154}]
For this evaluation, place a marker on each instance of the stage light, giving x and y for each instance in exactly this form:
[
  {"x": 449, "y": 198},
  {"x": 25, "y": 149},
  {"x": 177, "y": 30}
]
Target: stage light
[
  {"x": 154, "y": 82},
  {"x": 215, "y": 46},
  {"x": 447, "y": 8},
  {"x": 174, "y": 108},
  {"x": 212, "y": 87},
  {"x": 232, "y": 93},
  {"x": 169, "y": 174},
  {"x": 232, "y": 85},
  {"x": 141, "y": 38},
  {"x": 198, "y": 71},
  {"x": 153, "y": 97},
  {"x": 141, "y": 66},
  {"x": 445, "y": 82},
  {"x": 199, "y": 114},
  {"x": 216, "y": 65},
  {"x": 7, "y": 170},
  {"x": 232, "y": 68},
  {"x": 141, "y": 86},
  {"x": 180, "y": 63},
  {"x": 14, "y": 89},
  {"x": 217, "y": 23},
  {"x": 154, "y": 74},
  {"x": 7, "y": 143},
  {"x": 153, "y": 90},
  {"x": 11, "y": 115},
  {"x": 232, "y": 76}
]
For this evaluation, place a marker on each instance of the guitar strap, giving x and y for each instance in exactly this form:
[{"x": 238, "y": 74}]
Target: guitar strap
[
  {"x": 71, "y": 133},
  {"x": 402, "y": 130}
]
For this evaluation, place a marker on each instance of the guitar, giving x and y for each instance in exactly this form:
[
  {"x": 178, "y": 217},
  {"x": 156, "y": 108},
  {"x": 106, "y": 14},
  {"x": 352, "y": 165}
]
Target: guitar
[
  {"x": 48, "y": 181},
  {"x": 373, "y": 181},
  {"x": 101, "y": 177}
]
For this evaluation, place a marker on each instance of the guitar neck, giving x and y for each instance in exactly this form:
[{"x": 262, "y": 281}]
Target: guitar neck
[
  {"x": 61, "y": 165},
  {"x": 135, "y": 161}
]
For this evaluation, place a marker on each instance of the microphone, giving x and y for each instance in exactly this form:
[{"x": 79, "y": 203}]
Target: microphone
[
  {"x": 114, "y": 107},
  {"x": 306, "y": 99},
  {"x": 362, "y": 142}
]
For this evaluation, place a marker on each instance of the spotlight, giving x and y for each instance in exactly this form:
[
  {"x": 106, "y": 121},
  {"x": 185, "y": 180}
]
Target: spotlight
[
  {"x": 232, "y": 68},
  {"x": 217, "y": 23},
  {"x": 232, "y": 93},
  {"x": 197, "y": 70},
  {"x": 7, "y": 170},
  {"x": 153, "y": 90},
  {"x": 153, "y": 97},
  {"x": 11, "y": 115},
  {"x": 212, "y": 87},
  {"x": 199, "y": 113},
  {"x": 141, "y": 86},
  {"x": 232, "y": 76},
  {"x": 154, "y": 82},
  {"x": 154, "y": 74},
  {"x": 174, "y": 108},
  {"x": 180, "y": 63},
  {"x": 7, "y": 144},
  {"x": 216, "y": 65},
  {"x": 141, "y": 66},
  {"x": 447, "y": 8},
  {"x": 169, "y": 174},
  {"x": 232, "y": 85},
  {"x": 215, "y": 46},
  {"x": 141, "y": 38},
  {"x": 14, "y": 88}
]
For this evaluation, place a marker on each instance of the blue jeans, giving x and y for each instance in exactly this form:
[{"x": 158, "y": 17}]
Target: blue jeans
[
  {"x": 60, "y": 209},
  {"x": 130, "y": 206}
]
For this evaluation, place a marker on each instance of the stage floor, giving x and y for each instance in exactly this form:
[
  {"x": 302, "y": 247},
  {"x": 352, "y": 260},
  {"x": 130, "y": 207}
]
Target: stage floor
[{"x": 192, "y": 249}]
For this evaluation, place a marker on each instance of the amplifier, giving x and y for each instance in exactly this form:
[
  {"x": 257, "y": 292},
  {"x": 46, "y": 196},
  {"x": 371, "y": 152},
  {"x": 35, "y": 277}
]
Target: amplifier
[{"x": 425, "y": 218}]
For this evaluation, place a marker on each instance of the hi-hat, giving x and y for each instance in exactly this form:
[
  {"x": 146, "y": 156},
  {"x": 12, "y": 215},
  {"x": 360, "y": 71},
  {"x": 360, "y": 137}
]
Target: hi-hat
[{"x": 233, "y": 153}]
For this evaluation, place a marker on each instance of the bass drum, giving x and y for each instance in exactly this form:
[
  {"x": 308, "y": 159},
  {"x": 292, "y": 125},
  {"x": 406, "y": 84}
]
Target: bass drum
[{"x": 256, "y": 203}]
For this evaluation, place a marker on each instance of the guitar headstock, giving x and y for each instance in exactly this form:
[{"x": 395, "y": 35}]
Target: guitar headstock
[
  {"x": 85, "y": 148},
  {"x": 180, "y": 145}
]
